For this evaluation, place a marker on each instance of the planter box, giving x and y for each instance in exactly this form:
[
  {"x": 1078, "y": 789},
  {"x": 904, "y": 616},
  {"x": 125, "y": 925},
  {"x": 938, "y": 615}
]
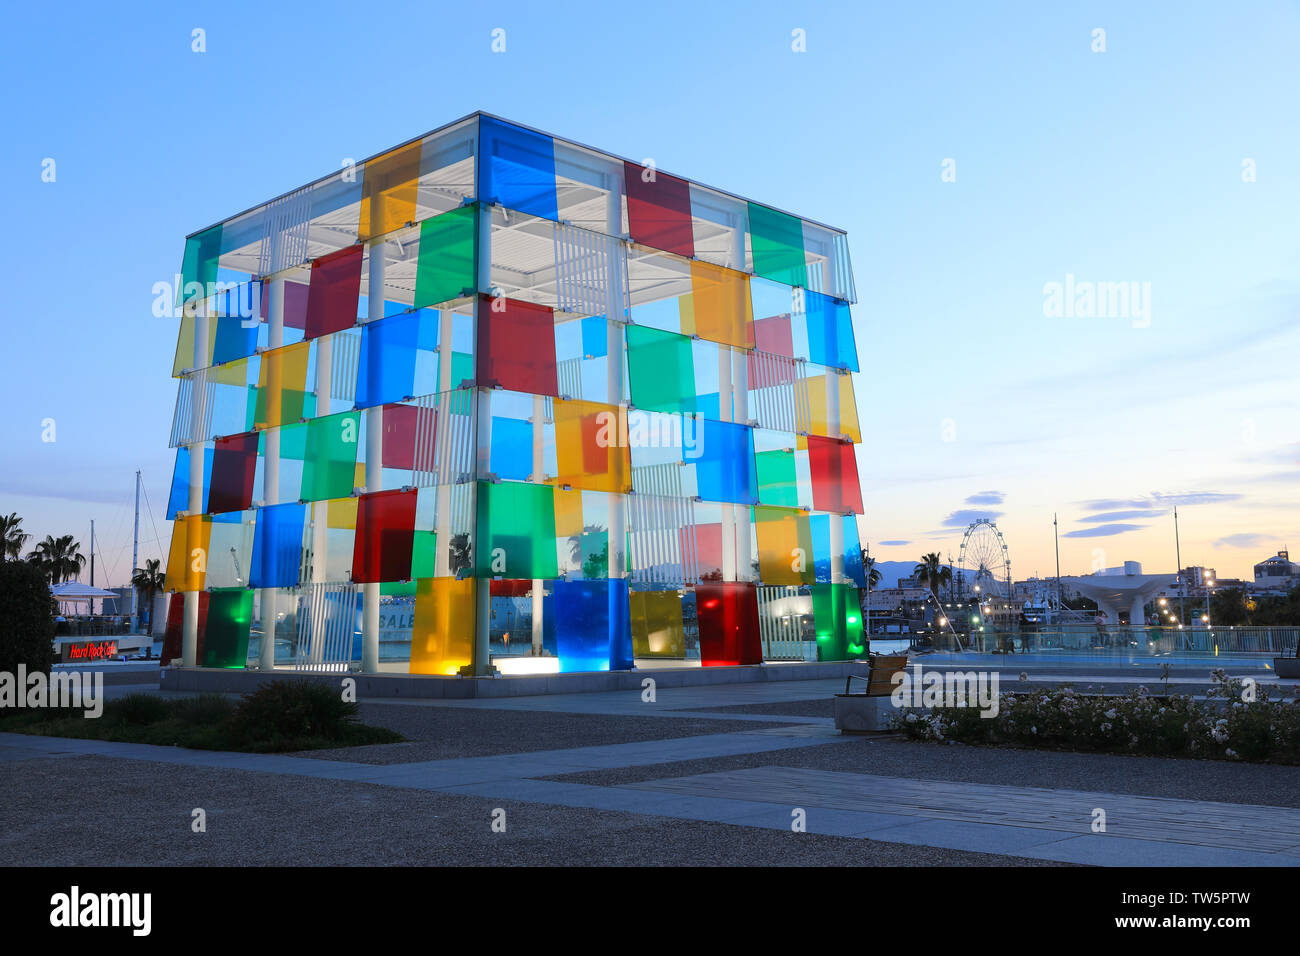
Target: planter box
[
  {"x": 1288, "y": 667},
  {"x": 863, "y": 713}
]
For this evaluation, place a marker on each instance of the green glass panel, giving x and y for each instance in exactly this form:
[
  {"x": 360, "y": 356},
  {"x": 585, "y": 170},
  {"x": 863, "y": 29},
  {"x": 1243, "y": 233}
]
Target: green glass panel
[
  {"x": 661, "y": 370},
  {"x": 397, "y": 588},
  {"x": 424, "y": 555},
  {"x": 777, "y": 241},
  {"x": 250, "y": 411},
  {"x": 230, "y": 613},
  {"x": 837, "y": 618},
  {"x": 293, "y": 441},
  {"x": 330, "y": 456},
  {"x": 445, "y": 269},
  {"x": 202, "y": 253},
  {"x": 516, "y": 531},
  {"x": 777, "y": 483}
]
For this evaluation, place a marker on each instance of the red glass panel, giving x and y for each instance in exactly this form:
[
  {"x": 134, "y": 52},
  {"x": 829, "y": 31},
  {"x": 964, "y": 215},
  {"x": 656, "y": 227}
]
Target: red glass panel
[
  {"x": 728, "y": 616},
  {"x": 234, "y": 465},
  {"x": 834, "y": 469},
  {"x": 659, "y": 211},
  {"x": 773, "y": 335},
  {"x": 385, "y": 535},
  {"x": 516, "y": 346},
  {"x": 334, "y": 292},
  {"x": 295, "y": 305},
  {"x": 171, "y": 649},
  {"x": 507, "y": 588},
  {"x": 399, "y": 436},
  {"x": 708, "y": 548}
]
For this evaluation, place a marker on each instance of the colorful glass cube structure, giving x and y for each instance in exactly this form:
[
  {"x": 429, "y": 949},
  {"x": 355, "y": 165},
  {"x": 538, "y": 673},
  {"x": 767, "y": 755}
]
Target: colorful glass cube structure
[{"x": 496, "y": 398}]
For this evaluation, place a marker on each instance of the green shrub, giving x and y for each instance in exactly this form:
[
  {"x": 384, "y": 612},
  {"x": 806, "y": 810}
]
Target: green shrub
[
  {"x": 27, "y": 613},
  {"x": 139, "y": 709},
  {"x": 1236, "y": 722},
  {"x": 206, "y": 710},
  {"x": 290, "y": 709}
]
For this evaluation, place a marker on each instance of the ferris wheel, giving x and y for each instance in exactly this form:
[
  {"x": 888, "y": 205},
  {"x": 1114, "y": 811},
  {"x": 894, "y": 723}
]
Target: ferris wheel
[{"x": 985, "y": 562}]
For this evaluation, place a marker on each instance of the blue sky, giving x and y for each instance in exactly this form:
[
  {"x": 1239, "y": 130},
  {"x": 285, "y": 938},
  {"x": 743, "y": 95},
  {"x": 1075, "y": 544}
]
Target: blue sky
[{"x": 1122, "y": 166}]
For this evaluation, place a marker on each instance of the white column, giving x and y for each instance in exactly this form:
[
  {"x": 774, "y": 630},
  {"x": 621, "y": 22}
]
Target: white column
[
  {"x": 199, "y": 401},
  {"x": 481, "y": 666},
  {"x": 740, "y": 391},
  {"x": 614, "y": 360},
  {"x": 539, "y": 436},
  {"x": 374, "y": 466},
  {"x": 836, "y": 521},
  {"x": 442, "y": 445},
  {"x": 320, "y": 509},
  {"x": 728, "y": 510},
  {"x": 271, "y": 472}
]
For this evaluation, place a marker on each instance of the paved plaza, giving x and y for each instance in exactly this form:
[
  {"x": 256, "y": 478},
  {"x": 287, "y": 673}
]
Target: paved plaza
[{"x": 702, "y": 774}]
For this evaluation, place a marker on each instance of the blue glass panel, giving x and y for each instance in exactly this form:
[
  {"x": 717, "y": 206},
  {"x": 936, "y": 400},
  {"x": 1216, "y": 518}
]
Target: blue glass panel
[
  {"x": 512, "y": 448},
  {"x": 233, "y": 340},
  {"x": 595, "y": 337},
  {"x": 179, "y": 499},
  {"x": 830, "y": 332},
  {"x": 386, "y": 370},
  {"x": 517, "y": 168},
  {"x": 820, "y": 525},
  {"x": 725, "y": 470},
  {"x": 277, "y": 545},
  {"x": 593, "y": 628}
]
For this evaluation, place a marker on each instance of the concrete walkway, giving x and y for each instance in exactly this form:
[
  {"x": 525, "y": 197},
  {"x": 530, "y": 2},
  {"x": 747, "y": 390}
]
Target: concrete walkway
[{"x": 1007, "y": 820}]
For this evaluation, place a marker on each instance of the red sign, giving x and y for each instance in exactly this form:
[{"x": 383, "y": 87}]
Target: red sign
[{"x": 90, "y": 651}]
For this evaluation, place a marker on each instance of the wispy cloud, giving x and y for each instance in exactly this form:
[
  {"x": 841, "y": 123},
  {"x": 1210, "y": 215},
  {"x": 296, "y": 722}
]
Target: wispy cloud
[
  {"x": 987, "y": 498},
  {"x": 1160, "y": 501},
  {"x": 1115, "y": 516},
  {"x": 893, "y": 543},
  {"x": 1103, "y": 530},
  {"x": 1246, "y": 539},
  {"x": 964, "y": 516}
]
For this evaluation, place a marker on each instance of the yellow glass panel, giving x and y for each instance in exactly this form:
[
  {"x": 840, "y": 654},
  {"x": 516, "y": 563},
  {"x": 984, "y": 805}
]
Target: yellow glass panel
[
  {"x": 568, "y": 513},
  {"x": 657, "y": 629},
  {"x": 591, "y": 447},
  {"x": 817, "y": 423},
  {"x": 388, "y": 189},
  {"x": 719, "y": 307},
  {"x": 282, "y": 385},
  {"x": 785, "y": 554},
  {"x": 184, "y": 357},
  {"x": 232, "y": 373},
  {"x": 342, "y": 513},
  {"x": 187, "y": 559},
  {"x": 442, "y": 638}
]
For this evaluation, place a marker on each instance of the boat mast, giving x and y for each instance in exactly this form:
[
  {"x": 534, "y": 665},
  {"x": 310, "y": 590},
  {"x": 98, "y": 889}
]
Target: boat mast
[
  {"x": 135, "y": 557},
  {"x": 1056, "y": 534}
]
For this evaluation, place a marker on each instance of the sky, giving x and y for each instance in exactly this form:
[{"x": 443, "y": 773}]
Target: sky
[{"x": 976, "y": 155}]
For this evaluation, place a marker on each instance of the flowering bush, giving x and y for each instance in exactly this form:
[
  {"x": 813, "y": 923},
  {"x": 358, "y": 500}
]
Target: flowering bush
[{"x": 1238, "y": 720}]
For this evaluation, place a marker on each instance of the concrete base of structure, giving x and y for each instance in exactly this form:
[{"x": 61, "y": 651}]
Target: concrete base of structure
[
  {"x": 419, "y": 686},
  {"x": 860, "y": 714}
]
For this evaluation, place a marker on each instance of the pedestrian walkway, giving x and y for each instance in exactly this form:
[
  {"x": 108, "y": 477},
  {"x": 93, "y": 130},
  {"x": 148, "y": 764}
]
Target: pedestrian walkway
[{"x": 1020, "y": 821}]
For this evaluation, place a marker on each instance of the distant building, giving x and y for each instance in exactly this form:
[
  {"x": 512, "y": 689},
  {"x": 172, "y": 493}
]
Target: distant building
[{"x": 1278, "y": 573}]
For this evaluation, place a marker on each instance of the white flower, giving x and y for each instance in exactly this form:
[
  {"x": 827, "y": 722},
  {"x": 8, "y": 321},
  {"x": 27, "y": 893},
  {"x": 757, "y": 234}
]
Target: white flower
[
  {"x": 1106, "y": 727},
  {"x": 1024, "y": 676},
  {"x": 1112, "y": 713},
  {"x": 1033, "y": 730},
  {"x": 911, "y": 718},
  {"x": 1230, "y": 752}
]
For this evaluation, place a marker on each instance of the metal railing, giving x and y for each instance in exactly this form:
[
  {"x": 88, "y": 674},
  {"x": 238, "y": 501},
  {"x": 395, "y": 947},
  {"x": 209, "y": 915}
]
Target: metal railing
[{"x": 1151, "y": 641}]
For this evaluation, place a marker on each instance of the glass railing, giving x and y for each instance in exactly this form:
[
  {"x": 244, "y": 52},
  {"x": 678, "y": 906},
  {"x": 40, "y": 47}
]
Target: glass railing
[{"x": 1085, "y": 639}]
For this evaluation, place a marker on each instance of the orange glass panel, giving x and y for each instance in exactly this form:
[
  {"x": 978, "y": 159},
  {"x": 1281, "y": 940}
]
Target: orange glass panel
[
  {"x": 187, "y": 560},
  {"x": 568, "y": 513},
  {"x": 719, "y": 307},
  {"x": 281, "y": 386},
  {"x": 591, "y": 447},
  {"x": 442, "y": 639},
  {"x": 785, "y": 552},
  {"x": 817, "y": 417},
  {"x": 388, "y": 191}
]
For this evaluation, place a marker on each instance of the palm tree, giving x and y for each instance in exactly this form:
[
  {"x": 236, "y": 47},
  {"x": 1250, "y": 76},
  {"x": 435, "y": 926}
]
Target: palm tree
[
  {"x": 12, "y": 537},
  {"x": 933, "y": 573},
  {"x": 59, "y": 558},
  {"x": 149, "y": 580}
]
